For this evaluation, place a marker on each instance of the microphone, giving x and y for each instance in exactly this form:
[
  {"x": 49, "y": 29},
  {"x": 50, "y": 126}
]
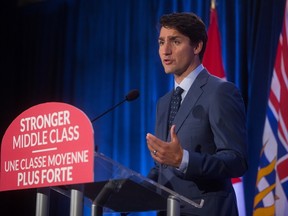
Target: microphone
[
  {"x": 112, "y": 186},
  {"x": 132, "y": 95}
]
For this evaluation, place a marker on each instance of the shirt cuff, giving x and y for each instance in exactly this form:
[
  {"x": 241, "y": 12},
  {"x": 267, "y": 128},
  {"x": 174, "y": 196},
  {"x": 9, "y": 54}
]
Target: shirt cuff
[{"x": 184, "y": 163}]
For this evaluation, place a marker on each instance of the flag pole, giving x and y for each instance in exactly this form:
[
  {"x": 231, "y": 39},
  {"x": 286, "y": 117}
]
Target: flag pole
[{"x": 213, "y": 4}]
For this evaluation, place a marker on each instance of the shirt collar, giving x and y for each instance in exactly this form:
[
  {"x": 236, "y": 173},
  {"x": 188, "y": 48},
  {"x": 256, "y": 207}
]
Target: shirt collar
[{"x": 188, "y": 81}]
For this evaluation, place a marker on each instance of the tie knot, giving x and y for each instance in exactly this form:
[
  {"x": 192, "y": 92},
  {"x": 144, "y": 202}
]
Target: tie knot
[{"x": 178, "y": 91}]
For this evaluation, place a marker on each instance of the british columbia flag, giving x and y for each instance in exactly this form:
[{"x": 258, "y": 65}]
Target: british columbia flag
[{"x": 271, "y": 196}]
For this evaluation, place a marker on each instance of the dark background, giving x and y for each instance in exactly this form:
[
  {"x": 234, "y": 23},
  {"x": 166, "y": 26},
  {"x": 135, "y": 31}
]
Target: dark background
[{"x": 90, "y": 53}]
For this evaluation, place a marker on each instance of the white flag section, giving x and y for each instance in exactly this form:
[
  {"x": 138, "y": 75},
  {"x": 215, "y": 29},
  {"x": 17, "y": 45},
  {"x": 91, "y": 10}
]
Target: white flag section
[
  {"x": 239, "y": 191},
  {"x": 212, "y": 60},
  {"x": 271, "y": 197}
]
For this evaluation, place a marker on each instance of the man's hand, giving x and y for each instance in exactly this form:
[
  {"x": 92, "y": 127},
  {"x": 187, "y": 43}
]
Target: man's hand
[{"x": 168, "y": 153}]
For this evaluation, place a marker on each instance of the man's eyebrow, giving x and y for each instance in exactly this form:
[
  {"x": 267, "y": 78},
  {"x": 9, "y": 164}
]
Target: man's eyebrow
[
  {"x": 170, "y": 37},
  {"x": 174, "y": 37}
]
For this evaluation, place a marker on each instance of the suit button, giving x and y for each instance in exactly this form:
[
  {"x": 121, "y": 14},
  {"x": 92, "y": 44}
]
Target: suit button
[{"x": 164, "y": 166}]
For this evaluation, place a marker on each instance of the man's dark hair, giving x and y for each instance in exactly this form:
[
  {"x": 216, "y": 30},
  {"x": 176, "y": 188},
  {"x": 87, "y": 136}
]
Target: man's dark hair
[{"x": 188, "y": 24}]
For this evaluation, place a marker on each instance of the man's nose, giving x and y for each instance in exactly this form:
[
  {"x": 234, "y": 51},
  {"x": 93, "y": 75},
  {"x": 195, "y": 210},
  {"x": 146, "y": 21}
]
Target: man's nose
[{"x": 166, "y": 49}]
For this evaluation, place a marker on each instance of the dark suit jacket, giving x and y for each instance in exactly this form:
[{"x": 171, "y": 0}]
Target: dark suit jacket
[{"x": 211, "y": 126}]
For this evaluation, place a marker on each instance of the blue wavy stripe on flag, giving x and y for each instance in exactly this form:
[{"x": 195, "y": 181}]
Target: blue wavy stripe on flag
[
  {"x": 273, "y": 123},
  {"x": 274, "y": 126}
]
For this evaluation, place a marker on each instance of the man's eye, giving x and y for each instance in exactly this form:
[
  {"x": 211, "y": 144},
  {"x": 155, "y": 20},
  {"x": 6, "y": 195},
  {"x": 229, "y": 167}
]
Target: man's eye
[
  {"x": 160, "y": 43},
  {"x": 177, "y": 42}
]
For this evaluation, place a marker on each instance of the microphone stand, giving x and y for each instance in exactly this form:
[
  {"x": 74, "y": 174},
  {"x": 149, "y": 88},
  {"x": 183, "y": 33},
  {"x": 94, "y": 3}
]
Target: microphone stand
[
  {"x": 132, "y": 95},
  {"x": 108, "y": 111}
]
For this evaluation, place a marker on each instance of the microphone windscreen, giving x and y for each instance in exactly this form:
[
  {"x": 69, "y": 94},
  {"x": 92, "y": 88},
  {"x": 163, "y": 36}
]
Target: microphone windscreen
[{"x": 132, "y": 95}]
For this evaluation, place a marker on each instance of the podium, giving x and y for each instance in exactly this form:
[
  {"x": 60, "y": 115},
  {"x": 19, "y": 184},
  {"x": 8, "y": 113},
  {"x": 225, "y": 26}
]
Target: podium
[
  {"x": 118, "y": 189},
  {"x": 50, "y": 146}
]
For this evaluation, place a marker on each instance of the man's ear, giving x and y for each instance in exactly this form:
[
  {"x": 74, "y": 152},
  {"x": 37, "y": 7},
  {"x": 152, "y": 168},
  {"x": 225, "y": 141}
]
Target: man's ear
[{"x": 198, "y": 47}]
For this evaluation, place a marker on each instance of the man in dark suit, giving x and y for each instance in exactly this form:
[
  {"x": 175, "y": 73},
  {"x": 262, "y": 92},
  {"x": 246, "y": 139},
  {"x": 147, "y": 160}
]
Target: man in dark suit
[{"x": 205, "y": 146}]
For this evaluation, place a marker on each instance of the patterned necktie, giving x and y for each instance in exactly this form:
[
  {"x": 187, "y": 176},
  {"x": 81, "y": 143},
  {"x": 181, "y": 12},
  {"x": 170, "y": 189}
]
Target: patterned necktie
[{"x": 175, "y": 104}]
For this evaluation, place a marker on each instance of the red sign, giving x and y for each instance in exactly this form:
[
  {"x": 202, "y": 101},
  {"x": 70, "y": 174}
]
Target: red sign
[{"x": 47, "y": 145}]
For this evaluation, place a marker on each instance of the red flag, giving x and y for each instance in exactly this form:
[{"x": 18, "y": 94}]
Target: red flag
[
  {"x": 212, "y": 60},
  {"x": 271, "y": 197}
]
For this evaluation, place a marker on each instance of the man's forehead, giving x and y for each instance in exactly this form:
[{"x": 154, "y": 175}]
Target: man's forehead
[{"x": 170, "y": 33}]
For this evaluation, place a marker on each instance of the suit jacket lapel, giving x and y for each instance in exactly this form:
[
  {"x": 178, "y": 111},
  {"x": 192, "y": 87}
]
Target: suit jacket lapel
[
  {"x": 163, "y": 115},
  {"x": 191, "y": 98}
]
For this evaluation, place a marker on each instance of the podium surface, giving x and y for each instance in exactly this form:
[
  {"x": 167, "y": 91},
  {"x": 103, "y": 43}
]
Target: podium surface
[{"x": 120, "y": 189}]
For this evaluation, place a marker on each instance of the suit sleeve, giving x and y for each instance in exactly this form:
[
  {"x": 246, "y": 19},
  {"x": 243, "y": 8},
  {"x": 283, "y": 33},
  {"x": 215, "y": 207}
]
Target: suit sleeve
[{"x": 227, "y": 121}]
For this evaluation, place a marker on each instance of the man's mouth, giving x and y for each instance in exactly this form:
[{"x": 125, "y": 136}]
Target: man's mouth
[{"x": 167, "y": 61}]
